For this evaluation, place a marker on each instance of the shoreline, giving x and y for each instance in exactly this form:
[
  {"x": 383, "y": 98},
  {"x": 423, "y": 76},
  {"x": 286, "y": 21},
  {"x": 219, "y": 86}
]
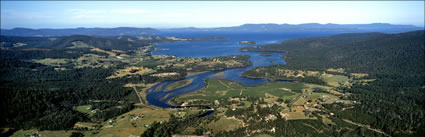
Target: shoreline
[{"x": 195, "y": 73}]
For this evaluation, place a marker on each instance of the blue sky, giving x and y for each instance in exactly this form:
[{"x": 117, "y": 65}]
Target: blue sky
[{"x": 168, "y": 14}]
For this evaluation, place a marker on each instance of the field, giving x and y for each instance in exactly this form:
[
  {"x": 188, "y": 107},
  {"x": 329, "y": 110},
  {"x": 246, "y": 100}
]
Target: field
[
  {"x": 110, "y": 53},
  {"x": 217, "y": 89},
  {"x": 131, "y": 71},
  {"x": 82, "y": 125},
  {"x": 326, "y": 88},
  {"x": 79, "y": 44},
  {"x": 297, "y": 116},
  {"x": 224, "y": 124},
  {"x": 301, "y": 99},
  {"x": 339, "y": 70},
  {"x": 85, "y": 109},
  {"x": 332, "y": 77},
  {"x": 94, "y": 61},
  {"x": 335, "y": 80},
  {"x": 134, "y": 122},
  {"x": 263, "y": 135},
  {"x": 135, "y": 85},
  {"x": 359, "y": 75},
  {"x": 52, "y": 62},
  {"x": 326, "y": 120}
]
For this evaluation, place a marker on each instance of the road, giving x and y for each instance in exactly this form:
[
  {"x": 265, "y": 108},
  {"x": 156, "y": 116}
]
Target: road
[
  {"x": 366, "y": 126},
  {"x": 138, "y": 96}
]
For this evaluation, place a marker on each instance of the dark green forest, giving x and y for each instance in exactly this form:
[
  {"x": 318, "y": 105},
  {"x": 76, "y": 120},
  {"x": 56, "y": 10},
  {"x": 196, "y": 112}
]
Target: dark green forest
[
  {"x": 395, "y": 101},
  {"x": 38, "y": 96},
  {"x": 362, "y": 52}
]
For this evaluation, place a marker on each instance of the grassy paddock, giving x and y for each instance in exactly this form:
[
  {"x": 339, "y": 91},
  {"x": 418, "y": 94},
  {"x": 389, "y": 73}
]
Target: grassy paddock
[
  {"x": 85, "y": 109},
  {"x": 217, "y": 89},
  {"x": 263, "y": 135},
  {"x": 126, "y": 124},
  {"x": 224, "y": 124},
  {"x": 52, "y": 62},
  {"x": 334, "y": 80}
]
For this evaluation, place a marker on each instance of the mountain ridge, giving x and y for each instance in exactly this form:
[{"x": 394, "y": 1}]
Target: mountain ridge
[
  {"x": 271, "y": 27},
  {"x": 131, "y": 31},
  {"x": 265, "y": 27},
  {"x": 73, "y": 41}
]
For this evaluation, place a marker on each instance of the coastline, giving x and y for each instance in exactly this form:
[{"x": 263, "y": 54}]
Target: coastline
[{"x": 195, "y": 73}]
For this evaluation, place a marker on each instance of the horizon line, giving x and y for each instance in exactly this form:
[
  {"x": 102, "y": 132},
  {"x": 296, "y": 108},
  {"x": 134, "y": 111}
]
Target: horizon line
[{"x": 212, "y": 27}]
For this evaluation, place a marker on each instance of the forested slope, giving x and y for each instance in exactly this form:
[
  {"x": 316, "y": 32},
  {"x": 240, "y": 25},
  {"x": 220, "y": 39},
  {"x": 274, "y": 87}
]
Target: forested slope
[
  {"x": 394, "y": 101},
  {"x": 363, "y": 52}
]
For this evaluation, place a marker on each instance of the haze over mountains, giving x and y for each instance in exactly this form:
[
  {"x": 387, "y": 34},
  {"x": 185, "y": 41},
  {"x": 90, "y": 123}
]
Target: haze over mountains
[
  {"x": 132, "y": 31},
  {"x": 378, "y": 27},
  {"x": 79, "y": 31}
]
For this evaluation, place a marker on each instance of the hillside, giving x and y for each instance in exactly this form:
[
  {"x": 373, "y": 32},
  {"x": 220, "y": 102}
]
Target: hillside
[
  {"x": 392, "y": 63},
  {"x": 86, "y": 41},
  {"x": 76, "y": 41},
  {"x": 362, "y": 52},
  {"x": 14, "y": 41},
  {"x": 97, "y": 42}
]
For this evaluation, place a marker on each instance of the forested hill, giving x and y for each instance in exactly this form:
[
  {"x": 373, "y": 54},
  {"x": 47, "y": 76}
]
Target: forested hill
[
  {"x": 74, "y": 41},
  {"x": 394, "y": 101},
  {"x": 81, "y": 41},
  {"x": 362, "y": 52},
  {"x": 86, "y": 41}
]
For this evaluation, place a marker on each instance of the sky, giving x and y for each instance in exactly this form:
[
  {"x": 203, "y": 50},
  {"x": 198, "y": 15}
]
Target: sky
[{"x": 172, "y": 14}]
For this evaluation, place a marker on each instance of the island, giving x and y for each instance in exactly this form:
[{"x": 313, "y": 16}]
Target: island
[
  {"x": 247, "y": 42},
  {"x": 266, "y": 54}
]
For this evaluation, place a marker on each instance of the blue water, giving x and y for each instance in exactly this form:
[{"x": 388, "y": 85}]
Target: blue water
[{"x": 215, "y": 49}]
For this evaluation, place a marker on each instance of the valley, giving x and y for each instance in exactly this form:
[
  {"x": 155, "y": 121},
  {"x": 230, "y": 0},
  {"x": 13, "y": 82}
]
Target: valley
[
  {"x": 203, "y": 87},
  {"x": 212, "y": 68}
]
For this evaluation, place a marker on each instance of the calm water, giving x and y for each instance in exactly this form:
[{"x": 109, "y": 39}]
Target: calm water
[{"x": 215, "y": 49}]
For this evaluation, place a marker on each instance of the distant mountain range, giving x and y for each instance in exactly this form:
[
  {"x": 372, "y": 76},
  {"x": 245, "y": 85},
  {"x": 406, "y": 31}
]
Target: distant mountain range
[
  {"x": 375, "y": 27},
  {"x": 131, "y": 31}
]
